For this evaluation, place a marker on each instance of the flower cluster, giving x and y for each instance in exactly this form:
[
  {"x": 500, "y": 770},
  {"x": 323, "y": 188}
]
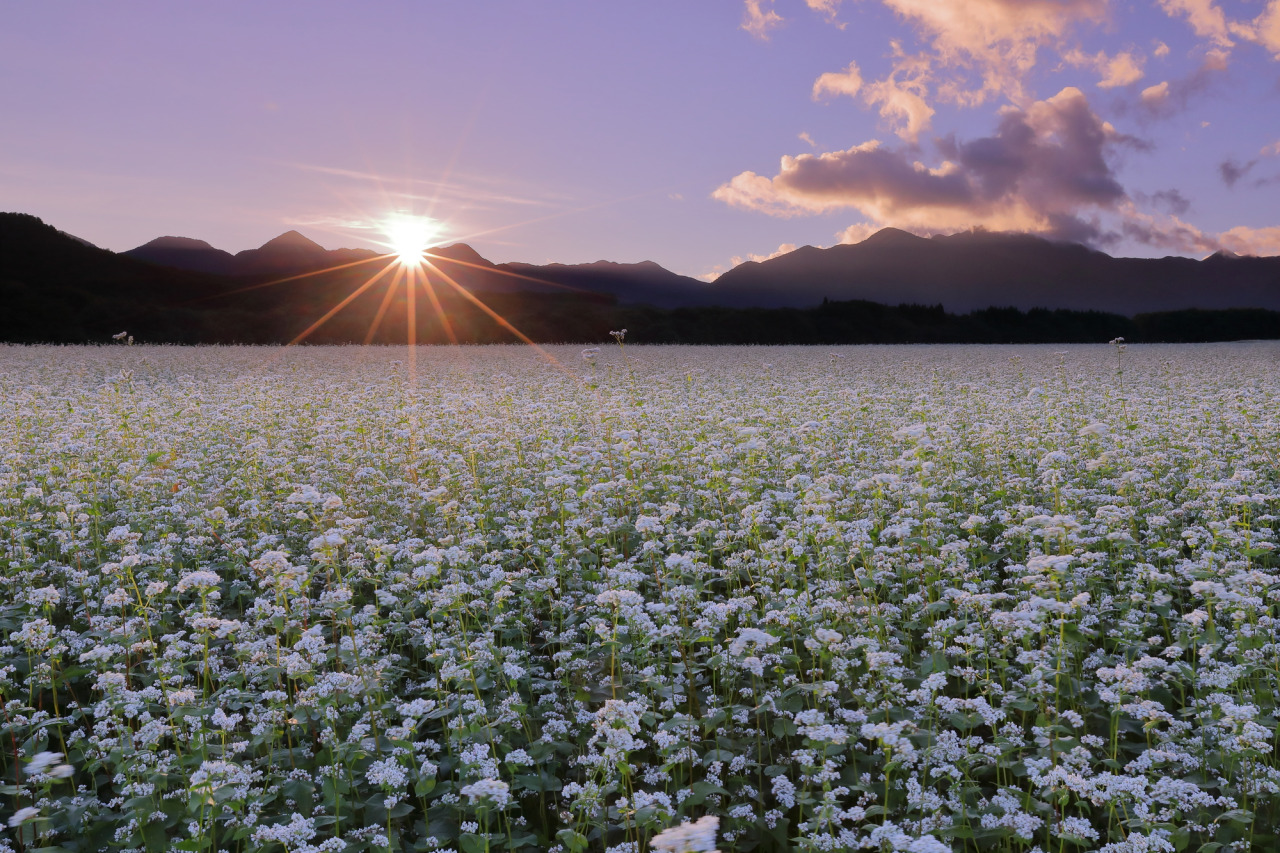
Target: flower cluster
[{"x": 907, "y": 599}]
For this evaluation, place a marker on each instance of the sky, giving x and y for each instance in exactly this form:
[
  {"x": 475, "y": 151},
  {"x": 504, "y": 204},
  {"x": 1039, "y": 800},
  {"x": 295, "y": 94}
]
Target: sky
[{"x": 694, "y": 134}]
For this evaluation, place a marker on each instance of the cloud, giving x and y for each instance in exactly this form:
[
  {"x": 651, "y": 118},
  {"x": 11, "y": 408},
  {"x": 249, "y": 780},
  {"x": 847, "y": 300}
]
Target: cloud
[
  {"x": 1040, "y": 171},
  {"x": 784, "y": 249},
  {"x": 1206, "y": 18},
  {"x": 1208, "y": 21},
  {"x": 1171, "y": 200},
  {"x": 846, "y": 82},
  {"x": 1251, "y": 241},
  {"x": 1272, "y": 150},
  {"x": 1119, "y": 70},
  {"x": 1155, "y": 97},
  {"x": 902, "y": 95},
  {"x": 1264, "y": 30},
  {"x": 857, "y": 232},
  {"x": 1170, "y": 96},
  {"x": 1161, "y": 50},
  {"x": 737, "y": 260},
  {"x": 1232, "y": 170},
  {"x": 758, "y": 18},
  {"x": 1163, "y": 231},
  {"x": 828, "y": 8},
  {"x": 996, "y": 38}
]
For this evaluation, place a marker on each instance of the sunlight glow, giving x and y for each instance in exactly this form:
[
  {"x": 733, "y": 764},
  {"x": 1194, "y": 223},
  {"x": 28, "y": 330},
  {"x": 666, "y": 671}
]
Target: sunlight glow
[{"x": 410, "y": 236}]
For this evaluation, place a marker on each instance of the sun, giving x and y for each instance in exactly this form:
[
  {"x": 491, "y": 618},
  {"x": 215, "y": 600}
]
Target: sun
[{"x": 410, "y": 236}]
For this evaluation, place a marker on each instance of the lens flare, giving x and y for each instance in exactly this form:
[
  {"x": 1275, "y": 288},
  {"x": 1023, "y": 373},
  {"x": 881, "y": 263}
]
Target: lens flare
[{"x": 410, "y": 236}]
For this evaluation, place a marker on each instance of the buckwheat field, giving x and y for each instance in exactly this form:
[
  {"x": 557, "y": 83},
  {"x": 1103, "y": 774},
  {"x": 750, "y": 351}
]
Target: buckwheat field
[{"x": 913, "y": 599}]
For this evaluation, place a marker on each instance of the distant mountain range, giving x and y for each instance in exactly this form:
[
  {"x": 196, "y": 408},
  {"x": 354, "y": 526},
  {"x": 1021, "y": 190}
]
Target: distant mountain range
[
  {"x": 52, "y": 280},
  {"x": 961, "y": 272},
  {"x": 287, "y": 254},
  {"x": 974, "y": 270}
]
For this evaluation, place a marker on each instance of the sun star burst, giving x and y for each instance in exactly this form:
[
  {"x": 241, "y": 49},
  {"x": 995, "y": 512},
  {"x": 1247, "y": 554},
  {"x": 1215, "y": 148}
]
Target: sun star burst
[{"x": 410, "y": 236}]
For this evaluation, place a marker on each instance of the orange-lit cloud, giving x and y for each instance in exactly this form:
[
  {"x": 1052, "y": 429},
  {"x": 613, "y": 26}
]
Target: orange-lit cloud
[
  {"x": 857, "y": 232},
  {"x": 1043, "y": 170},
  {"x": 1264, "y": 29},
  {"x": 1251, "y": 241},
  {"x": 902, "y": 96},
  {"x": 999, "y": 39}
]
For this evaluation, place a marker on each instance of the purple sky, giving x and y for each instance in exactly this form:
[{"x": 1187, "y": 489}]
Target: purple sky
[{"x": 694, "y": 134}]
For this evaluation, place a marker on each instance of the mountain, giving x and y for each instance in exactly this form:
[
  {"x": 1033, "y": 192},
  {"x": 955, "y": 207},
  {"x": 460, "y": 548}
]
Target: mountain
[
  {"x": 644, "y": 283},
  {"x": 974, "y": 270},
  {"x": 292, "y": 253},
  {"x": 184, "y": 253},
  {"x": 993, "y": 288},
  {"x": 56, "y": 287},
  {"x": 289, "y": 254}
]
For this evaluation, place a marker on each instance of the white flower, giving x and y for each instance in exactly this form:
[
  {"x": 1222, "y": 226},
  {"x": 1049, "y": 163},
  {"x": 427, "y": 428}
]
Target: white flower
[
  {"x": 913, "y": 432},
  {"x": 42, "y": 761},
  {"x": 827, "y": 636},
  {"x": 696, "y": 837},
  {"x": 495, "y": 791},
  {"x": 23, "y": 815},
  {"x": 200, "y": 579},
  {"x": 753, "y": 637}
]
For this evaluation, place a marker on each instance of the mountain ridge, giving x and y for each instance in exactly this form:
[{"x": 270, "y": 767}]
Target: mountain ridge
[
  {"x": 57, "y": 289},
  {"x": 965, "y": 271}
]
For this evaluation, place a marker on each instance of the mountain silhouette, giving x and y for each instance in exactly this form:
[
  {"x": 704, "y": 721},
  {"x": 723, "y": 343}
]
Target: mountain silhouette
[
  {"x": 185, "y": 253},
  {"x": 975, "y": 286},
  {"x": 973, "y": 270},
  {"x": 289, "y": 254}
]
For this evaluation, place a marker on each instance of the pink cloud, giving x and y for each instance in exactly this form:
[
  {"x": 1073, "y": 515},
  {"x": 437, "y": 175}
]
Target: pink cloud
[
  {"x": 829, "y": 8},
  {"x": 1119, "y": 70},
  {"x": 998, "y": 38},
  {"x": 1264, "y": 29},
  {"x": 1157, "y": 94},
  {"x": 1251, "y": 241},
  {"x": 759, "y": 18},
  {"x": 784, "y": 249},
  {"x": 857, "y": 232},
  {"x": 846, "y": 82},
  {"x": 902, "y": 96},
  {"x": 1206, "y": 18},
  {"x": 1209, "y": 21}
]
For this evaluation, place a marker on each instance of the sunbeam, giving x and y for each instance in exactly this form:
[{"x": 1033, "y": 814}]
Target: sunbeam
[
  {"x": 384, "y": 305},
  {"x": 343, "y": 304},
  {"x": 502, "y": 321}
]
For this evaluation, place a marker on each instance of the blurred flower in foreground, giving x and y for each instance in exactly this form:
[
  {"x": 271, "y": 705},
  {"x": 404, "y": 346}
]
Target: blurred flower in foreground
[{"x": 695, "y": 837}]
